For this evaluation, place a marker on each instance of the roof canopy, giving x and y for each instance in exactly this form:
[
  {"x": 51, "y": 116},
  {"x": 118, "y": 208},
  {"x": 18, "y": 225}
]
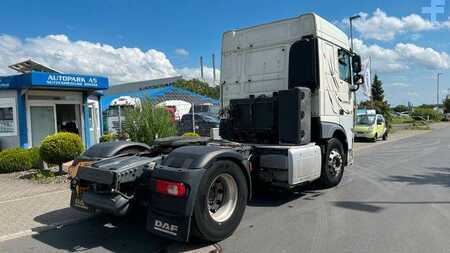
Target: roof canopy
[
  {"x": 141, "y": 85},
  {"x": 29, "y": 66}
]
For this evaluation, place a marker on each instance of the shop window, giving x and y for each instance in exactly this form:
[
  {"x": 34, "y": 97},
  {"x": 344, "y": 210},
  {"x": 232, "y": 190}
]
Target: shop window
[{"x": 7, "y": 117}]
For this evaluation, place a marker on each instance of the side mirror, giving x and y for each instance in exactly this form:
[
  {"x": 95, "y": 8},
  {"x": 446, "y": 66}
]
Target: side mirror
[
  {"x": 354, "y": 88},
  {"x": 356, "y": 64},
  {"x": 358, "y": 79}
]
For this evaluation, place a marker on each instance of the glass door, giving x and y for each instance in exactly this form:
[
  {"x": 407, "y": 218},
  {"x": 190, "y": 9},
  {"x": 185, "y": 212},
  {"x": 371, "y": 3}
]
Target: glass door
[
  {"x": 94, "y": 120},
  {"x": 42, "y": 123}
]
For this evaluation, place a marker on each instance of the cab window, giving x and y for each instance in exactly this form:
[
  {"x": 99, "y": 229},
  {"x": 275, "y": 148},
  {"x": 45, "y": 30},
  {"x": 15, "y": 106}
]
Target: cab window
[{"x": 344, "y": 65}]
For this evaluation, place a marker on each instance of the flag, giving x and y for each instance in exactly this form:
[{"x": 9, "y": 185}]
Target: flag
[{"x": 366, "y": 71}]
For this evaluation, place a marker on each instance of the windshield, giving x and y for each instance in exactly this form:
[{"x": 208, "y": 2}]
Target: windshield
[
  {"x": 365, "y": 120},
  {"x": 210, "y": 118}
]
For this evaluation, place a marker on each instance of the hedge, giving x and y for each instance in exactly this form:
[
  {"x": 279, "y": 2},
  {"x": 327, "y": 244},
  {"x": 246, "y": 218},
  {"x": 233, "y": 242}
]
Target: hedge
[
  {"x": 17, "y": 159},
  {"x": 36, "y": 161}
]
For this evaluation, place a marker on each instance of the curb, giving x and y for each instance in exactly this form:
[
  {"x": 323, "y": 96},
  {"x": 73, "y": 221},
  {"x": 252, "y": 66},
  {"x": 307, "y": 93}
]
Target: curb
[{"x": 37, "y": 230}]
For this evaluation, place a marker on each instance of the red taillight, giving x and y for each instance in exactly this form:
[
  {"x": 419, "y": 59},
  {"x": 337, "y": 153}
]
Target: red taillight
[{"x": 175, "y": 189}]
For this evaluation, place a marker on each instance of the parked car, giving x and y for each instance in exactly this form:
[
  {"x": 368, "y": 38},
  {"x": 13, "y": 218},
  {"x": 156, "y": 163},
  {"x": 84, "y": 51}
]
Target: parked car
[
  {"x": 203, "y": 123},
  {"x": 447, "y": 117},
  {"x": 371, "y": 127}
]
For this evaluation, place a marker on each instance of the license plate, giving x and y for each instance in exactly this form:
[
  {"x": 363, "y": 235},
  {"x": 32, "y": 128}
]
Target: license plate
[{"x": 77, "y": 200}]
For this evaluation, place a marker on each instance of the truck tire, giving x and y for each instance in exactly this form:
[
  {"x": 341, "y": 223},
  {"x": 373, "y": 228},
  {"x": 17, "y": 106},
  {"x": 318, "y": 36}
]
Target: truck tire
[
  {"x": 222, "y": 198},
  {"x": 332, "y": 163}
]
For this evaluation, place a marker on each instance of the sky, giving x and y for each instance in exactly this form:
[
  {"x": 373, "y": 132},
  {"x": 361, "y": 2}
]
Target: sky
[{"x": 138, "y": 40}]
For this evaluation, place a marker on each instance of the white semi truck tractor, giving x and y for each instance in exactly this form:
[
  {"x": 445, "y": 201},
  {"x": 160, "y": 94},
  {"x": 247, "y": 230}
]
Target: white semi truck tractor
[{"x": 287, "y": 91}]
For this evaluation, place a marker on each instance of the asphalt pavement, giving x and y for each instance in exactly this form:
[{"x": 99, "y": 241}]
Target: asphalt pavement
[{"x": 395, "y": 198}]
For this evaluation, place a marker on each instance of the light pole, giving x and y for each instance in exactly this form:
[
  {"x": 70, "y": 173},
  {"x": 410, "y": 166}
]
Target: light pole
[
  {"x": 437, "y": 90},
  {"x": 351, "y": 29},
  {"x": 355, "y": 105}
]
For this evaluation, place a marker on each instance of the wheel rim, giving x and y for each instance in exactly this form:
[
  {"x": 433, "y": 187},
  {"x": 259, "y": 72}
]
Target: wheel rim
[
  {"x": 335, "y": 163},
  {"x": 222, "y": 197}
]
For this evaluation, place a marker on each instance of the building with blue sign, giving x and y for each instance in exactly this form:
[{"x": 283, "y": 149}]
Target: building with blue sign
[{"x": 42, "y": 101}]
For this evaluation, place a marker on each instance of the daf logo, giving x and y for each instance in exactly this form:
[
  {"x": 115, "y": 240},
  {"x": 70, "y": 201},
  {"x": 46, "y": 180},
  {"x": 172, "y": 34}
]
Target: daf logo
[{"x": 166, "y": 227}]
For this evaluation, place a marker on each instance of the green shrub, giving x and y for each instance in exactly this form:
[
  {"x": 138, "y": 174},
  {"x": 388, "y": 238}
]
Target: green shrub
[
  {"x": 60, "y": 148},
  {"x": 15, "y": 159},
  {"x": 147, "y": 122},
  {"x": 44, "y": 176},
  {"x": 108, "y": 137},
  {"x": 35, "y": 157},
  {"x": 191, "y": 134},
  {"x": 402, "y": 120},
  {"x": 427, "y": 113}
]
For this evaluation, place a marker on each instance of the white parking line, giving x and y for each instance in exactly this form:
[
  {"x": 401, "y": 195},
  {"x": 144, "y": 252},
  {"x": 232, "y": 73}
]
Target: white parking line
[
  {"x": 38, "y": 230},
  {"x": 34, "y": 196}
]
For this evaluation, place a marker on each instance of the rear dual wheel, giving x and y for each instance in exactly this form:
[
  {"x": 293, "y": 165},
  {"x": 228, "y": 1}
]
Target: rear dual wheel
[{"x": 221, "y": 201}]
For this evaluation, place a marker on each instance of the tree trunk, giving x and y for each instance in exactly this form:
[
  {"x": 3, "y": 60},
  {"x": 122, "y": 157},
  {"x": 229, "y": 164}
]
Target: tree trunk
[{"x": 60, "y": 169}]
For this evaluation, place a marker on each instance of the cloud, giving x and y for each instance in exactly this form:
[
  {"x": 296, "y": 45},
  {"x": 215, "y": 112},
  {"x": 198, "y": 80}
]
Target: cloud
[
  {"x": 427, "y": 57},
  {"x": 122, "y": 64},
  {"x": 400, "y": 84},
  {"x": 402, "y": 56},
  {"x": 412, "y": 94},
  {"x": 181, "y": 52},
  {"x": 380, "y": 26}
]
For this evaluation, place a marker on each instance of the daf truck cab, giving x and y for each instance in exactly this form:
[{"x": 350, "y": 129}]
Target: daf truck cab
[{"x": 287, "y": 91}]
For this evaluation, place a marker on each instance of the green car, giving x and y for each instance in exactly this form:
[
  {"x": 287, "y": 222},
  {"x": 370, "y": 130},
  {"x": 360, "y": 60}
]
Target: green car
[{"x": 371, "y": 127}]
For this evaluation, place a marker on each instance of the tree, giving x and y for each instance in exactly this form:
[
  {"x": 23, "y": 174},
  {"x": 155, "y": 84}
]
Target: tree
[
  {"x": 378, "y": 103},
  {"x": 60, "y": 148},
  {"x": 147, "y": 122},
  {"x": 401, "y": 108},
  {"x": 199, "y": 87},
  {"x": 377, "y": 90},
  {"x": 447, "y": 104}
]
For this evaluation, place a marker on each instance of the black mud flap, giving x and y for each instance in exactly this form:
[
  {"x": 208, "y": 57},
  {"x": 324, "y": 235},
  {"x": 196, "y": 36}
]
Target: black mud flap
[
  {"x": 167, "y": 226},
  {"x": 76, "y": 202}
]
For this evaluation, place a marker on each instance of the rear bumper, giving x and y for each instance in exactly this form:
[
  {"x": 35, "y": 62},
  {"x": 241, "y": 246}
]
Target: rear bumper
[
  {"x": 110, "y": 203},
  {"x": 90, "y": 202}
]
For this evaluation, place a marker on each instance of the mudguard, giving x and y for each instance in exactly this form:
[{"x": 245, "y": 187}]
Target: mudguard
[
  {"x": 169, "y": 216},
  {"x": 328, "y": 129},
  {"x": 109, "y": 149}
]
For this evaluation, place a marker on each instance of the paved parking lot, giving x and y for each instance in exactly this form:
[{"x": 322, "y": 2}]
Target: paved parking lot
[{"x": 395, "y": 198}]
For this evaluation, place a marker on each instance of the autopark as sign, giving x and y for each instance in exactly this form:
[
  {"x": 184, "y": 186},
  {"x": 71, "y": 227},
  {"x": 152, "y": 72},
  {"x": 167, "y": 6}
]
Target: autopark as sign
[{"x": 68, "y": 81}]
